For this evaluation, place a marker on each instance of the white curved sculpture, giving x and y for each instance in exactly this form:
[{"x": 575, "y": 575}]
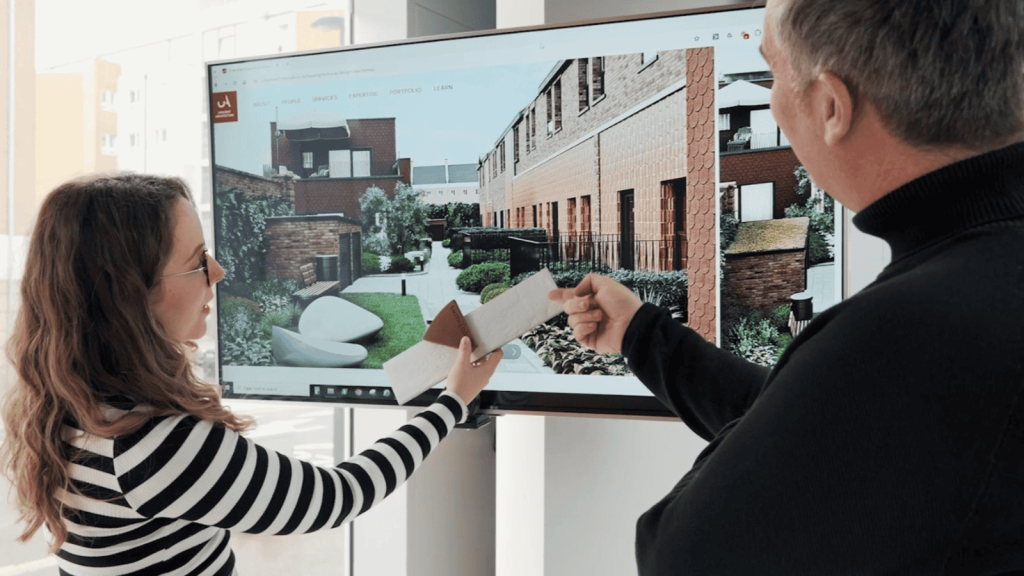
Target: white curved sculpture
[
  {"x": 338, "y": 320},
  {"x": 291, "y": 349}
]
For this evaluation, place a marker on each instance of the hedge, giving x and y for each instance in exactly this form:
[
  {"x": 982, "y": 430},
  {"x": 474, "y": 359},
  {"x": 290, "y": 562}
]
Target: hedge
[{"x": 478, "y": 276}]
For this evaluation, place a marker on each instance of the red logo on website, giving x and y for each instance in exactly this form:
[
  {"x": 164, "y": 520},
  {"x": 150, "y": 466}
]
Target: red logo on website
[{"x": 225, "y": 107}]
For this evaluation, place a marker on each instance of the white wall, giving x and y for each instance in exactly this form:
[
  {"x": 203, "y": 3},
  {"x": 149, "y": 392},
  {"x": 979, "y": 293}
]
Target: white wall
[
  {"x": 865, "y": 256},
  {"x": 379, "y": 21},
  {"x": 519, "y": 13}
]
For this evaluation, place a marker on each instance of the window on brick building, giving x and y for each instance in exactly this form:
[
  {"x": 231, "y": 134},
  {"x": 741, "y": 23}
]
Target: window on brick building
[
  {"x": 515, "y": 144},
  {"x": 527, "y": 130},
  {"x": 307, "y": 159},
  {"x": 596, "y": 78},
  {"x": 501, "y": 153},
  {"x": 584, "y": 214},
  {"x": 756, "y": 202},
  {"x": 360, "y": 163},
  {"x": 724, "y": 121},
  {"x": 534, "y": 215},
  {"x": 558, "y": 105},
  {"x": 583, "y": 84},
  {"x": 571, "y": 213},
  {"x": 533, "y": 125},
  {"x": 548, "y": 96}
]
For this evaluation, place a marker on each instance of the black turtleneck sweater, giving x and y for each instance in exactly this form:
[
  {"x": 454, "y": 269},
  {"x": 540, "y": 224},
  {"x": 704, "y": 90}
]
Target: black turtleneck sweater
[{"x": 889, "y": 439}]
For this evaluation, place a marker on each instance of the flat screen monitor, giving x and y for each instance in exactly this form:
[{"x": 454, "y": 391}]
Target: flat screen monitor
[{"x": 358, "y": 191}]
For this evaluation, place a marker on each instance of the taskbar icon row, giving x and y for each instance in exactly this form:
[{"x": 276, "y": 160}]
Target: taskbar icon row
[{"x": 328, "y": 391}]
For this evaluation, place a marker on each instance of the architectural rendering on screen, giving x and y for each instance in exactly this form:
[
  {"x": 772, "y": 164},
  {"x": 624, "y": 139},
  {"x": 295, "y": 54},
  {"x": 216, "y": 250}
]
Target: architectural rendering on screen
[{"x": 339, "y": 250}]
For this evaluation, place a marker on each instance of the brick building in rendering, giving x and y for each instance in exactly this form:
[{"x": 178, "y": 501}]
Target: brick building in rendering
[
  {"x": 336, "y": 160},
  {"x": 755, "y": 155},
  {"x": 622, "y": 148}
]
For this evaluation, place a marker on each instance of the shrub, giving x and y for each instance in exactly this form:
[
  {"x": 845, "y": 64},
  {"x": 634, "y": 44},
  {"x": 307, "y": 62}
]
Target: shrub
[
  {"x": 481, "y": 256},
  {"x": 728, "y": 226},
  {"x": 239, "y": 289},
  {"x": 274, "y": 293},
  {"x": 666, "y": 289},
  {"x": 559, "y": 350},
  {"x": 371, "y": 263},
  {"x": 376, "y": 244},
  {"x": 446, "y": 243},
  {"x": 455, "y": 259},
  {"x": 401, "y": 264},
  {"x": 755, "y": 340},
  {"x": 478, "y": 276},
  {"x": 819, "y": 249},
  {"x": 241, "y": 336},
  {"x": 779, "y": 317},
  {"x": 491, "y": 291},
  {"x": 279, "y": 318}
]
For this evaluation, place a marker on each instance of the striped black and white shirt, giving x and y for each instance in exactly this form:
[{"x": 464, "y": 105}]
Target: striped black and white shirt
[{"x": 162, "y": 499}]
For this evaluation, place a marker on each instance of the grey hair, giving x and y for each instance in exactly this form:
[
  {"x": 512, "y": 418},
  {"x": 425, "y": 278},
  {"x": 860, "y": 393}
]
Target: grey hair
[{"x": 938, "y": 72}]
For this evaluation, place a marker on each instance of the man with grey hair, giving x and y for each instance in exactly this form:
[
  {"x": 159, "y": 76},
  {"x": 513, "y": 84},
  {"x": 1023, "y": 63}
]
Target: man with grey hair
[{"x": 889, "y": 438}]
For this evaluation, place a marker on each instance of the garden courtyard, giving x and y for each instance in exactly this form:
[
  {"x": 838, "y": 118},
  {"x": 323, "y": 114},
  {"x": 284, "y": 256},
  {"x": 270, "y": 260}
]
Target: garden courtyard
[{"x": 434, "y": 288}]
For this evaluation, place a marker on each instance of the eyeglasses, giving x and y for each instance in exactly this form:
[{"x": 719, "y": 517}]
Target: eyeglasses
[{"x": 203, "y": 267}]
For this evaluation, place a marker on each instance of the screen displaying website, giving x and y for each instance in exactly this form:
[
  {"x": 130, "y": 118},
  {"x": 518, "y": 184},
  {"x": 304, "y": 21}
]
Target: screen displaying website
[{"x": 645, "y": 150}]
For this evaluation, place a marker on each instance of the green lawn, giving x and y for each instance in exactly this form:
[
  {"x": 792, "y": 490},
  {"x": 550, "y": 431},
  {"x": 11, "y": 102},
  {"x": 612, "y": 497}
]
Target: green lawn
[{"x": 403, "y": 324}]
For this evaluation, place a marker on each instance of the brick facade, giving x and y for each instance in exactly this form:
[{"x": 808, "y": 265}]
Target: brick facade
[
  {"x": 765, "y": 165},
  {"x": 341, "y": 195},
  {"x": 572, "y": 174},
  {"x": 374, "y": 134},
  {"x": 296, "y": 240},
  {"x": 766, "y": 280},
  {"x": 639, "y": 154},
  {"x": 701, "y": 223},
  {"x": 627, "y": 82},
  {"x": 650, "y": 131},
  {"x": 252, "y": 185}
]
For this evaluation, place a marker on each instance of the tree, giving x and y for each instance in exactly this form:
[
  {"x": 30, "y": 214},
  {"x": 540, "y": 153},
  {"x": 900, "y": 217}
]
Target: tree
[
  {"x": 403, "y": 219},
  {"x": 822, "y": 214}
]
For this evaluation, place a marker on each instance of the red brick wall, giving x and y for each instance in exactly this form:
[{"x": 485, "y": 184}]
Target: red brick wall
[
  {"x": 639, "y": 154},
  {"x": 296, "y": 240},
  {"x": 379, "y": 135},
  {"x": 331, "y": 196},
  {"x": 282, "y": 153},
  {"x": 496, "y": 193},
  {"x": 571, "y": 174},
  {"x": 771, "y": 165},
  {"x": 701, "y": 224},
  {"x": 253, "y": 185},
  {"x": 765, "y": 281}
]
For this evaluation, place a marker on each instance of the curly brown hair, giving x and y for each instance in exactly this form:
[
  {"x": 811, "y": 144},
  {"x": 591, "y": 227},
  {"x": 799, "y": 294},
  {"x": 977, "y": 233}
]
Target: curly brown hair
[{"x": 85, "y": 334}]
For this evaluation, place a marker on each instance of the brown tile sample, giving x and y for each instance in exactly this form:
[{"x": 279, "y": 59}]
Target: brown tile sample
[{"x": 448, "y": 327}]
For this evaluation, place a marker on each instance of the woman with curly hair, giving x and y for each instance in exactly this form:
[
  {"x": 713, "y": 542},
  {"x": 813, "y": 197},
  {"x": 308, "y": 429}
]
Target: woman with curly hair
[{"x": 114, "y": 444}]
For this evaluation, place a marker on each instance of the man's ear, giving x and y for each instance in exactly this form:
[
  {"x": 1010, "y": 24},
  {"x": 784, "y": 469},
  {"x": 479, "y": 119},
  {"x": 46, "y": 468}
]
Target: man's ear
[{"x": 834, "y": 106}]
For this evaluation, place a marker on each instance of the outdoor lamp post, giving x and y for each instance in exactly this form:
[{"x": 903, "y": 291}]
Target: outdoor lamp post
[{"x": 801, "y": 309}]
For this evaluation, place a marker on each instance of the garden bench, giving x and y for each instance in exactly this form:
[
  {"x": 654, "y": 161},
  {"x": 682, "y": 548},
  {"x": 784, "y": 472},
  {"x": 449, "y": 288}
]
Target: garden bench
[{"x": 313, "y": 289}]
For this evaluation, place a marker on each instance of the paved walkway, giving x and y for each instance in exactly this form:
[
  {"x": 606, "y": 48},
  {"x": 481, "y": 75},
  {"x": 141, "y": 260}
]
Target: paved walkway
[
  {"x": 821, "y": 283},
  {"x": 435, "y": 288}
]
